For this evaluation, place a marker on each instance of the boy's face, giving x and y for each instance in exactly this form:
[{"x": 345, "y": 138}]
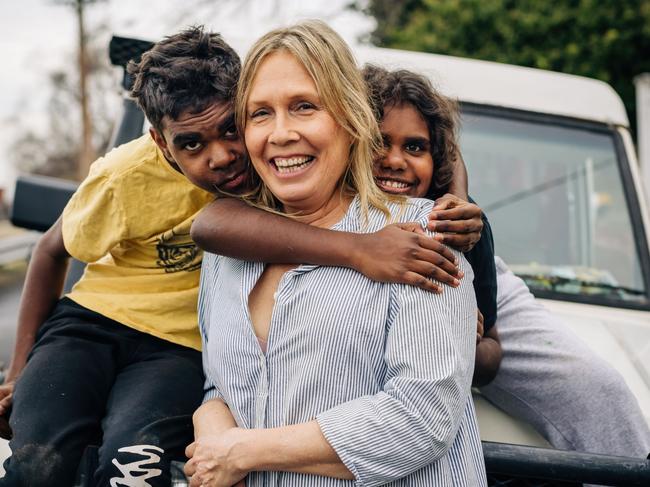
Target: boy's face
[
  {"x": 206, "y": 148},
  {"x": 406, "y": 167}
]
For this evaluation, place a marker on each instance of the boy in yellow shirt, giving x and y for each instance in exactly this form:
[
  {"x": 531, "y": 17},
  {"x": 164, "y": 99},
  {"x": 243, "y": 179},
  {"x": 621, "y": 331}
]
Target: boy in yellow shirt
[{"x": 117, "y": 361}]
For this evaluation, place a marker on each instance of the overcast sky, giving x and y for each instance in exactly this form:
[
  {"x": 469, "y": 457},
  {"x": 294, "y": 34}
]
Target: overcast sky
[{"x": 38, "y": 36}]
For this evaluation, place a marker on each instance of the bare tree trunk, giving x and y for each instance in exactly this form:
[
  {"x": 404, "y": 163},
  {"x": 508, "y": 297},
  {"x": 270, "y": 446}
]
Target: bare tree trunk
[{"x": 87, "y": 154}]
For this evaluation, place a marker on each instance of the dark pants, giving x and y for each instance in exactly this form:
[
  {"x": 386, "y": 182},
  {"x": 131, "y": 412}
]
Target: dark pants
[{"x": 90, "y": 380}]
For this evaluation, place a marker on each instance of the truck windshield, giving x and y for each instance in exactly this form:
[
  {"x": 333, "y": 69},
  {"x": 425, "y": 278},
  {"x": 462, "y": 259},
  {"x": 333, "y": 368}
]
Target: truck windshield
[{"x": 555, "y": 198}]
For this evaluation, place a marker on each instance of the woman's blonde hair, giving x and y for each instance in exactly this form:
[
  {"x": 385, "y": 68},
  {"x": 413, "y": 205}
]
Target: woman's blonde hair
[{"x": 342, "y": 90}]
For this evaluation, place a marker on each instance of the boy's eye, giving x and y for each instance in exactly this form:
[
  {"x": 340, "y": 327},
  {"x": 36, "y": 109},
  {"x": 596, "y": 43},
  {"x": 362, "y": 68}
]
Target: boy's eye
[
  {"x": 231, "y": 132},
  {"x": 193, "y": 146}
]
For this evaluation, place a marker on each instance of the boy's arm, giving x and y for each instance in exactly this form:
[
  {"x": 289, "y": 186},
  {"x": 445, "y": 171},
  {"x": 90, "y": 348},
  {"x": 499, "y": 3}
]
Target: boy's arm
[
  {"x": 42, "y": 289},
  {"x": 398, "y": 253}
]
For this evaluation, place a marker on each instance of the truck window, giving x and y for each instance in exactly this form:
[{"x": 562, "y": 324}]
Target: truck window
[{"x": 555, "y": 197}]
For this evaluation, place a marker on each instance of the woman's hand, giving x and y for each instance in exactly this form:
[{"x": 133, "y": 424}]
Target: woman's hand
[
  {"x": 403, "y": 253},
  {"x": 214, "y": 460},
  {"x": 456, "y": 222}
]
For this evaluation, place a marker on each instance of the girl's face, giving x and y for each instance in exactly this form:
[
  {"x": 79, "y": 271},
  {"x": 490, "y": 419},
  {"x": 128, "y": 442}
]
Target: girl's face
[
  {"x": 406, "y": 167},
  {"x": 295, "y": 145}
]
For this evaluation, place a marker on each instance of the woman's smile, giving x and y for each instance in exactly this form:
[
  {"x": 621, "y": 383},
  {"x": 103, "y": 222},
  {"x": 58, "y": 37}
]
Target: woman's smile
[{"x": 292, "y": 165}]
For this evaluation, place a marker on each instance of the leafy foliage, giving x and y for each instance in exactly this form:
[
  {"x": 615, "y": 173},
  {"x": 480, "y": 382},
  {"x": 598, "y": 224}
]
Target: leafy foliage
[{"x": 603, "y": 39}]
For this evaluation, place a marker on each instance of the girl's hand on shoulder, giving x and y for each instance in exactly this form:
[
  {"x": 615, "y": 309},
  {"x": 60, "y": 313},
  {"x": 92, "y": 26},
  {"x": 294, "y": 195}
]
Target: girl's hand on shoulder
[
  {"x": 456, "y": 222},
  {"x": 215, "y": 460},
  {"x": 403, "y": 253}
]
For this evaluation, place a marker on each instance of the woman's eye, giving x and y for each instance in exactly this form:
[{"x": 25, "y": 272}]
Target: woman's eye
[
  {"x": 193, "y": 146},
  {"x": 305, "y": 106},
  {"x": 257, "y": 114},
  {"x": 231, "y": 132}
]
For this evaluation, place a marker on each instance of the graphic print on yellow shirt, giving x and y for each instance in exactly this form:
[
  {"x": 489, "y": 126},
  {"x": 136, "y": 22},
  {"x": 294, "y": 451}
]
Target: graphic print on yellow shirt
[
  {"x": 177, "y": 252},
  {"x": 130, "y": 222}
]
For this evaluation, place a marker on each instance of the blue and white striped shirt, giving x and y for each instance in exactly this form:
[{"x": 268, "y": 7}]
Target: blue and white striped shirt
[{"x": 385, "y": 369}]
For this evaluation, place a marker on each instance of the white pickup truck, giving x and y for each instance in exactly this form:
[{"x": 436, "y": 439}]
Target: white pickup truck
[{"x": 552, "y": 163}]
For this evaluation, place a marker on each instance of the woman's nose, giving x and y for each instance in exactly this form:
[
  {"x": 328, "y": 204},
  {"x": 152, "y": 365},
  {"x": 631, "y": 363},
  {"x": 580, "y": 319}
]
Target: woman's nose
[{"x": 283, "y": 131}]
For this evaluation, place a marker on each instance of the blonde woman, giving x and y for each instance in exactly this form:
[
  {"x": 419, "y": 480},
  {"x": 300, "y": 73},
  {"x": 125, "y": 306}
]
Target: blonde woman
[{"x": 317, "y": 375}]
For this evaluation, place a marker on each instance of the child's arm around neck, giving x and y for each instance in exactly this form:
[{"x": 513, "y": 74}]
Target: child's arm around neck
[{"x": 397, "y": 253}]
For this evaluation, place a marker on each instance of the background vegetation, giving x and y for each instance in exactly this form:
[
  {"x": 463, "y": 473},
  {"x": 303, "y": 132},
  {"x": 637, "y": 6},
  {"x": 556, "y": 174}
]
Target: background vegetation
[{"x": 603, "y": 39}]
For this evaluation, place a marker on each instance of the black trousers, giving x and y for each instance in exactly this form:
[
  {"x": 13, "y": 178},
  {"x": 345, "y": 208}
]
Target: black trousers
[{"x": 91, "y": 380}]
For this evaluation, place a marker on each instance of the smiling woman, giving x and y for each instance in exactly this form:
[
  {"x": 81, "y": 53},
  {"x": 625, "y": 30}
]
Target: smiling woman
[
  {"x": 331, "y": 105},
  {"x": 277, "y": 408}
]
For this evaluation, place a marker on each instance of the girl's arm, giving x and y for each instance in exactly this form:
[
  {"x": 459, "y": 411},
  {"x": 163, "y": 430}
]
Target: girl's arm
[
  {"x": 488, "y": 358},
  {"x": 458, "y": 185},
  {"x": 455, "y": 216}
]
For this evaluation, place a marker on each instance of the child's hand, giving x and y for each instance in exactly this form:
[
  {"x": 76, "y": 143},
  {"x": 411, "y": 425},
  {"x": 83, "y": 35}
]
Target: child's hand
[
  {"x": 6, "y": 394},
  {"x": 456, "y": 222},
  {"x": 403, "y": 253}
]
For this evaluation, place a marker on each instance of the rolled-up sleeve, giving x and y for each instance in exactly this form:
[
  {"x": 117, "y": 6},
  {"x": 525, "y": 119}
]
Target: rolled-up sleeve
[
  {"x": 209, "y": 270},
  {"x": 413, "y": 421}
]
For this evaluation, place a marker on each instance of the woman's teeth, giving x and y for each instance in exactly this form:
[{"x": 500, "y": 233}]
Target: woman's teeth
[{"x": 291, "y": 164}]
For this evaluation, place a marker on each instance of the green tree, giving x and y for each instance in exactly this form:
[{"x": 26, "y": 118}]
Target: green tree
[{"x": 603, "y": 39}]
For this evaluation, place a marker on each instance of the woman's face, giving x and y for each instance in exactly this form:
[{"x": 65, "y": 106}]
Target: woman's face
[
  {"x": 295, "y": 145},
  {"x": 406, "y": 167}
]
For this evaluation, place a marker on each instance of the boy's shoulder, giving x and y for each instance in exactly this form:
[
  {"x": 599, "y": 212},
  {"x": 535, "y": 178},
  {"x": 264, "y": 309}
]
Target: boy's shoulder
[{"x": 126, "y": 158}]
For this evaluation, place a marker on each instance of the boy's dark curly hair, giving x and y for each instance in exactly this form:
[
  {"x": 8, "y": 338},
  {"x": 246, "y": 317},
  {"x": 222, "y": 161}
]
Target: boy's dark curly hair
[
  {"x": 186, "y": 71},
  {"x": 402, "y": 87}
]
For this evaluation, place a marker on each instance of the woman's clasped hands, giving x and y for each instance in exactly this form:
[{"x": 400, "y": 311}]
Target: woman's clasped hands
[{"x": 215, "y": 461}]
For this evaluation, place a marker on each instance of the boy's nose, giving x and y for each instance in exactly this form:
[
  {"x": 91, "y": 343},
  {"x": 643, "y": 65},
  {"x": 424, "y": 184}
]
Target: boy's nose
[{"x": 221, "y": 156}]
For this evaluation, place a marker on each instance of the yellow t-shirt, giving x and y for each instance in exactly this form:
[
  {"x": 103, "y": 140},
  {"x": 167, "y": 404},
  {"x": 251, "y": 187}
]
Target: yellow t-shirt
[{"x": 130, "y": 221}]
